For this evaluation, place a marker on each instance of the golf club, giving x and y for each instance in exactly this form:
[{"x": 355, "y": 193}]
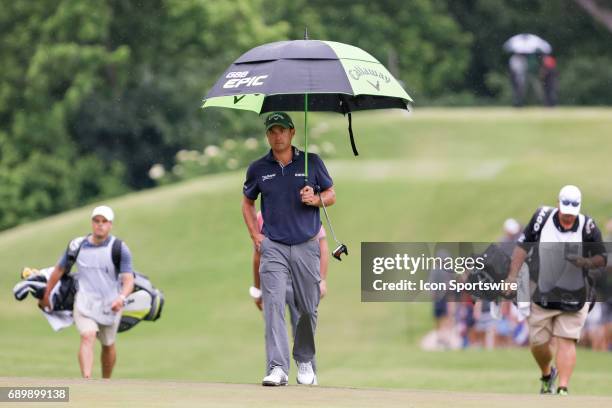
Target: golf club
[{"x": 341, "y": 248}]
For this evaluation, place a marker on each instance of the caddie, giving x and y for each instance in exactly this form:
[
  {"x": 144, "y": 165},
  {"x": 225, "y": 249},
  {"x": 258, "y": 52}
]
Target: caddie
[
  {"x": 565, "y": 244},
  {"x": 101, "y": 292}
]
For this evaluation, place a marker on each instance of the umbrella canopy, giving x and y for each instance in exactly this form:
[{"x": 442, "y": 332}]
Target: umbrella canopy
[
  {"x": 335, "y": 77},
  {"x": 527, "y": 44},
  {"x": 307, "y": 75}
]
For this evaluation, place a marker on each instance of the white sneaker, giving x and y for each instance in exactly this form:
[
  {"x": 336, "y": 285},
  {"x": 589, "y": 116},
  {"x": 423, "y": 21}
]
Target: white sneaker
[
  {"x": 306, "y": 374},
  {"x": 276, "y": 377}
]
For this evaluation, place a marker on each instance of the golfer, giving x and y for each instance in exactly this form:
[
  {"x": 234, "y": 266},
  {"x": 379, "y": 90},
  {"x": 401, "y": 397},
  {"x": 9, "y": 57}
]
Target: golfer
[
  {"x": 288, "y": 246},
  {"x": 559, "y": 308},
  {"x": 101, "y": 289},
  {"x": 289, "y": 298}
]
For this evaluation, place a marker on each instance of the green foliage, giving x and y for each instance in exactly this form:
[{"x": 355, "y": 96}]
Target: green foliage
[
  {"x": 95, "y": 93},
  {"x": 587, "y": 81},
  {"x": 92, "y": 94},
  {"x": 419, "y": 42},
  {"x": 572, "y": 33},
  {"x": 230, "y": 155}
]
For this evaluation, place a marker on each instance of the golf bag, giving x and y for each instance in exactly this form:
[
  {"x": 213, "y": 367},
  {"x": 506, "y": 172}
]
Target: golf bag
[
  {"x": 496, "y": 268},
  {"x": 144, "y": 303},
  {"x": 34, "y": 282}
]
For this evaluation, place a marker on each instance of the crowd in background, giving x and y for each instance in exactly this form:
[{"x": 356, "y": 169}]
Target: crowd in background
[
  {"x": 474, "y": 323},
  {"x": 534, "y": 71}
]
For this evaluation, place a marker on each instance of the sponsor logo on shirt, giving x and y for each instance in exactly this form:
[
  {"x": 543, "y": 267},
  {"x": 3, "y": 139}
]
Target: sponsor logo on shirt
[
  {"x": 300, "y": 175},
  {"x": 268, "y": 176}
]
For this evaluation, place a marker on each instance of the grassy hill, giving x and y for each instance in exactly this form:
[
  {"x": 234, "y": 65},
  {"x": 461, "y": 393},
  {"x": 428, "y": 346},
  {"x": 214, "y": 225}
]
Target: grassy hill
[{"x": 435, "y": 175}]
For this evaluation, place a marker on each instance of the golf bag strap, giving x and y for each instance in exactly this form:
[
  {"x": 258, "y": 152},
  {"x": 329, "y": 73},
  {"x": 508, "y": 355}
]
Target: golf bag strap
[
  {"x": 116, "y": 254},
  {"x": 71, "y": 256},
  {"x": 350, "y": 129}
]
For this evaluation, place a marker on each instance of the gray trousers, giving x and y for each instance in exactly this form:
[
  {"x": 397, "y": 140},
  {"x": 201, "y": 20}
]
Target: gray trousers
[
  {"x": 300, "y": 263},
  {"x": 294, "y": 314}
]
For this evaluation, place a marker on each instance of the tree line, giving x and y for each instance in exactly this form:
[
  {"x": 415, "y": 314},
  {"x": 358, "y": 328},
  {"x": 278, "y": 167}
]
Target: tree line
[{"x": 93, "y": 93}]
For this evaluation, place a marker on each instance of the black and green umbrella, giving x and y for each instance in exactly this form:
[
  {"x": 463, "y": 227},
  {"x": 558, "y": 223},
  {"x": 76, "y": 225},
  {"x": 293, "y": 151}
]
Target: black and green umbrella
[{"x": 307, "y": 75}]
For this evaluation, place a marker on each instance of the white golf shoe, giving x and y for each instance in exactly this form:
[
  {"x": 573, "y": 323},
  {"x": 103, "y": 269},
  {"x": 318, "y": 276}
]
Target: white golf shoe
[
  {"x": 276, "y": 377},
  {"x": 306, "y": 374}
]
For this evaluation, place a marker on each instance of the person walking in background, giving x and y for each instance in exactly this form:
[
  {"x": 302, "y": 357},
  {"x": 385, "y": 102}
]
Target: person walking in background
[
  {"x": 102, "y": 289},
  {"x": 534, "y": 82},
  {"x": 518, "y": 78}
]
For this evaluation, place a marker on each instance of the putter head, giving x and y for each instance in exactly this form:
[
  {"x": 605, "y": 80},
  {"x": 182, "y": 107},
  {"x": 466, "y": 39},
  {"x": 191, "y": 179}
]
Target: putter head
[{"x": 342, "y": 249}]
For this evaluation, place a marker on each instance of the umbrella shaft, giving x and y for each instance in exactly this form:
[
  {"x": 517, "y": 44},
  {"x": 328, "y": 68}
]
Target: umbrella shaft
[{"x": 305, "y": 138}]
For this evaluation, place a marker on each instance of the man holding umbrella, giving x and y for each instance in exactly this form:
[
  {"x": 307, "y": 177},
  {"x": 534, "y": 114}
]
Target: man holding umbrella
[
  {"x": 288, "y": 245},
  {"x": 300, "y": 75}
]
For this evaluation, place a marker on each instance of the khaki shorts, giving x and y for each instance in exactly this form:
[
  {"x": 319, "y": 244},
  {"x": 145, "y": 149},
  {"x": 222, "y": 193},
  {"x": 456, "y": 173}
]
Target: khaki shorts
[
  {"x": 546, "y": 323},
  {"x": 106, "y": 334}
]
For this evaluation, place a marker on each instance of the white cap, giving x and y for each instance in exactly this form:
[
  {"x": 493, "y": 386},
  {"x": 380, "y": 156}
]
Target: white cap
[
  {"x": 572, "y": 197},
  {"x": 511, "y": 226},
  {"x": 104, "y": 211}
]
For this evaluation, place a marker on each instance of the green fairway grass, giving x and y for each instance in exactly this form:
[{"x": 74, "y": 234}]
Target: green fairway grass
[{"x": 433, "y": 175}]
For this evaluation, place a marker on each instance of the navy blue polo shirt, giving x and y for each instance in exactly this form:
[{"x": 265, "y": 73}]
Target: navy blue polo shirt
[{"x": 286, "y": 218}]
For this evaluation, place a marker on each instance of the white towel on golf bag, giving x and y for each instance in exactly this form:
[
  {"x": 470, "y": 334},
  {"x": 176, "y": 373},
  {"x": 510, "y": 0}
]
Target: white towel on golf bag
[{"x": 59, "y": 319}]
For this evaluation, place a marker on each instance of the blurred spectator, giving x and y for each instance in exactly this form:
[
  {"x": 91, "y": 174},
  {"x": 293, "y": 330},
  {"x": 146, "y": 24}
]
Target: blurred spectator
[
  {"x": 548, "y": 75},
  {"x": 518, "y": 77},
  {"x": 606, "y": 318},
  {"x": 444, "y": 336},
  {"x": 608, "y": 237},
  {"x": 484, "y": 330},
  {"x": 534, "y": 63},
  {"x": 512, "y": 231},
  {"x": 594, "y": 333}
]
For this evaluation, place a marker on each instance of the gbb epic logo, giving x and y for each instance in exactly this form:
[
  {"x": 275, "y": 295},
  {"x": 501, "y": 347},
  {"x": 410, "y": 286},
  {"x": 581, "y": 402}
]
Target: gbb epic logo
[{"x": 239, "y": 78}]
